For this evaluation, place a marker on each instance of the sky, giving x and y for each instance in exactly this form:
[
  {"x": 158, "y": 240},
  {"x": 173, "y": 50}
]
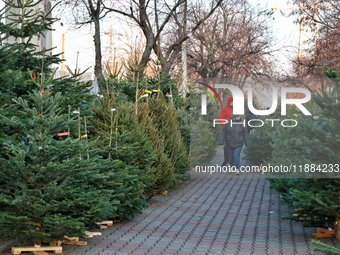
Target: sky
[
  {"x": 79, "y": 43},
  {"x": 82, "y": 40}
]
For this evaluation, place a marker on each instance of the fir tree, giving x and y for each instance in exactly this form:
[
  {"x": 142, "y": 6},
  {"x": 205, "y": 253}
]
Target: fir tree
[
  {"x": 315, "y": 141},
  {"x": 164, "y": 118},
  {"x": 129, "y": 142},
  {"x": 45, "y": 192},
  {"x": 18, "y": 59},
  {"x": 324, "y": 248},
  {"x": 202, "y": 143}
]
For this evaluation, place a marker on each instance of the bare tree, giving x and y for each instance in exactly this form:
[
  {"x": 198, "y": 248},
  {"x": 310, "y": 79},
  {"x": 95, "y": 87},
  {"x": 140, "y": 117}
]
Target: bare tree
[
  {"x": 233, "y": 43},
  {"x": 157, "y": 19},
  {"x": 85, "y": 12},
  {"x": 322, "y": 19}
]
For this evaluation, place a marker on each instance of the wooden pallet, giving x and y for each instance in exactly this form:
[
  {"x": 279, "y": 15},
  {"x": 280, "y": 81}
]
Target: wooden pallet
[
  {"x": 321, "y": 232},
  {"x": 104, "y": 224},
  {"x": 55, "y": 249}
]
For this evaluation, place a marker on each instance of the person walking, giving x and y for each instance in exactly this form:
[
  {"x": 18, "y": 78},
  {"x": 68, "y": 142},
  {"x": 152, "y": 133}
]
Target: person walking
[
  {"x": 226, "y": 113},
  {"x": 233, "y": 136}
]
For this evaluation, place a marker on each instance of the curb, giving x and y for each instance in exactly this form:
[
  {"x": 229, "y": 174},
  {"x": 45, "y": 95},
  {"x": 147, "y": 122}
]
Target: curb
[{"x": 7, "y": 245}]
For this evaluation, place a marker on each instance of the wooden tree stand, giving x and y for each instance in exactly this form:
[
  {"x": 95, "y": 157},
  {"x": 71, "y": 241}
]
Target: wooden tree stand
[
  {"x": 55, "y": 245},
  {"x": 321, "y": 232},
  {"x": 104, "y": 224},
  {"x": 37, "y": 250}
]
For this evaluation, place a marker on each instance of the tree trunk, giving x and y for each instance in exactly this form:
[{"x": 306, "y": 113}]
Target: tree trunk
[
  {"x": 97, "y": 45},
  {"x": 146, "y": 54},
  {"x": 149, "y": 36},
  {"x": 168, "y": 63}
]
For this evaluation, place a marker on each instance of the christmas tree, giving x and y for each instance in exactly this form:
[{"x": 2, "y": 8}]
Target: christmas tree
[
  {"x": 122, "y": 137},
  {"x": 45, "y": 192},
  {"x": 313, "y": 145},
  {"x": 324, "y": 248},
  {"x": 165, "y": 120},
  {"x": 20, "y": 55}
]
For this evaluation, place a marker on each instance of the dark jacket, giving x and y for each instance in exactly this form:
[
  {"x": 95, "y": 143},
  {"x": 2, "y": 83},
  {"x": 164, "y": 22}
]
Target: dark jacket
[
  {"x": 234, "y": 136},
  {"x": 250, "y": 116}
]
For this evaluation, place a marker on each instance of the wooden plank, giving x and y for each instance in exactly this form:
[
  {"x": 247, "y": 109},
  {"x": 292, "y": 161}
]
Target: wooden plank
[
  {"x": 91, "y": 234},
  {"x": 76, "y": 243},
  {"x": 322, "y": 235},
  {"x": 323, "y": 230},
  {"x": 105, "y": 222},
  {"x": 102, "y": 227},
  {"x": 72, "y": 238},
  {"x": 18, "y": 250}
]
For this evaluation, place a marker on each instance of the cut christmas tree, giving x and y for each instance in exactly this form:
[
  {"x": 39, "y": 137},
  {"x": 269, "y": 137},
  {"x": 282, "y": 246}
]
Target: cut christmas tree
[{"x": 45, "y": 193}]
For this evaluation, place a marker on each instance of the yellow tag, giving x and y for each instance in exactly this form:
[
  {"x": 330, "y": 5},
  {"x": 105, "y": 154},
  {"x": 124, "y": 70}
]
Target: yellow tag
[
  {"x": 147, "y": 91},
  {"x": 84, "y": 136}
]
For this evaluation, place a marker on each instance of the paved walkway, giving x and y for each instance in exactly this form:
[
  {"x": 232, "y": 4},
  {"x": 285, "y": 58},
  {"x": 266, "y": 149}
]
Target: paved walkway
[{"x": 207, "y": 214}]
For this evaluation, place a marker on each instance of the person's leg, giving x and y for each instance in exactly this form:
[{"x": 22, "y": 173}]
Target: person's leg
[
  {"x": 237, "y": 157},
  {"x": 226, "y": 156},
  {"x": 231, "y": 155}
]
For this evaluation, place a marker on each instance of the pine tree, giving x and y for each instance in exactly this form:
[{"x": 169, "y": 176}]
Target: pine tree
[
  {"x": 125, "y": 185},
  {"x": 45, "y": 192},
  {"x": 164, "y": 118},
  {"x": 18, "y": 59},
  {"x": 129, "y": 142},
  {"x": 315, "y": 141},
  {"x": 202, "y": 143},
  {"x": 148, "y": 141},
  {"x": 183, "y": 119},
  {"x": 324, "y": 248},
  {"x": 164, "y": 173}
]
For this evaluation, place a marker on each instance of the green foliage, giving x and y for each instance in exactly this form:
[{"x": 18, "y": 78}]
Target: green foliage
[
  {"x": 152, "y": 140},
  {"x": 125, "y": 184},
  {"x": 52, "y": 186},
  {"x": 165, "y": 120},
  {"x": 259, "y": 150},
  {"x": 19, "y": 57},
  {"x": 315, "y": 141},
  {"x": 125, "y": 89},
  {"x": 183, "y": 120},
  {"x": 324, "y": 248},
  {"x": 133, "y": 145},
  {"x": 164, "y": 169},
  {"x": 202, "y": 143},
  {"x": 75, "y": 92},
  {"x": 21, "y": 60},
  {"x": 45, "y": 193}
]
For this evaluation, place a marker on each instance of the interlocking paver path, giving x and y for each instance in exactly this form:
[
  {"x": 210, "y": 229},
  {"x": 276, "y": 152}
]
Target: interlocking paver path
[{"x": 207, "y": 214}]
